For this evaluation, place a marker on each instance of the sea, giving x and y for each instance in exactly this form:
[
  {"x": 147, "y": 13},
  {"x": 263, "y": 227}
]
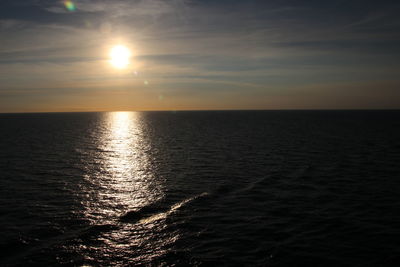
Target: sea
[{"x": 200, "y": 188}]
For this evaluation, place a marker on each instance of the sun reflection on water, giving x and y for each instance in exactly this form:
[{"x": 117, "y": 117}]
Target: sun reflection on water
[
  {"x": 124, "y": 180},
  {"x": 121, "y": 178}
]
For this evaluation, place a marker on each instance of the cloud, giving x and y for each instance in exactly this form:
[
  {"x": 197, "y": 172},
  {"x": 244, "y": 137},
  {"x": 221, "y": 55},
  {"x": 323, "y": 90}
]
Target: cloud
[{"x": 119, "y": 8}]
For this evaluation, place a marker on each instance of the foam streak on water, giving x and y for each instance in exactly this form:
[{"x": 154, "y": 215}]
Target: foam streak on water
[
  {"x": 174, "y": 208},
  {"x": 256, "y": 188}
]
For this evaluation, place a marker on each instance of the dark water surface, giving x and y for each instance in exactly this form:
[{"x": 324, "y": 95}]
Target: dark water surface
[{"x": 254, "y": 188}]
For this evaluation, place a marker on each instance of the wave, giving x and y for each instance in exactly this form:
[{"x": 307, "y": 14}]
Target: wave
[{"x": 156, "y": 211}]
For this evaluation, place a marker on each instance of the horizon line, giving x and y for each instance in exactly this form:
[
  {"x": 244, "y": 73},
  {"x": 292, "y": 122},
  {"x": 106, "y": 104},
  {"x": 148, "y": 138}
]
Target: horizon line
[{"x": 199, "y": 110}]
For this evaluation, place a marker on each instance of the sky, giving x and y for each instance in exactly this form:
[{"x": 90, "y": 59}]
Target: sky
[{"x": 199, "y": 55}]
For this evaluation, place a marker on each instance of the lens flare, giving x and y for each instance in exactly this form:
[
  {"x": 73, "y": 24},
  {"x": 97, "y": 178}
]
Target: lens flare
[{"x": 69, "y": 5}]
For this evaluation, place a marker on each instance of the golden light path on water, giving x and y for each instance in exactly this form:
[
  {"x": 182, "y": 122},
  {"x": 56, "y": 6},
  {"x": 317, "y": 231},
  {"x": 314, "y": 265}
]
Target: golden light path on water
[
  {"x": 125, "y": 181},
  {"x": 124, "y": 178}
]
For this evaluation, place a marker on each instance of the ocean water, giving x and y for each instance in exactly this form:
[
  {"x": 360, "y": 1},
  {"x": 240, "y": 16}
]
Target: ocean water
[{"x": 230, "y": 188}]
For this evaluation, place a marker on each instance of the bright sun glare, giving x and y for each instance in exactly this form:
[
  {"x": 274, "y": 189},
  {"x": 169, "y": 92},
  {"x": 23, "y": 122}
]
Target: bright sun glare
[{"x": 120, "y": 56}]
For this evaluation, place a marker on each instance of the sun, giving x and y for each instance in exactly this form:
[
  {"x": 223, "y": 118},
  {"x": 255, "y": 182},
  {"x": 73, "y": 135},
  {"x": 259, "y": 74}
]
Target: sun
[{"x": 119, "y": 56}]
